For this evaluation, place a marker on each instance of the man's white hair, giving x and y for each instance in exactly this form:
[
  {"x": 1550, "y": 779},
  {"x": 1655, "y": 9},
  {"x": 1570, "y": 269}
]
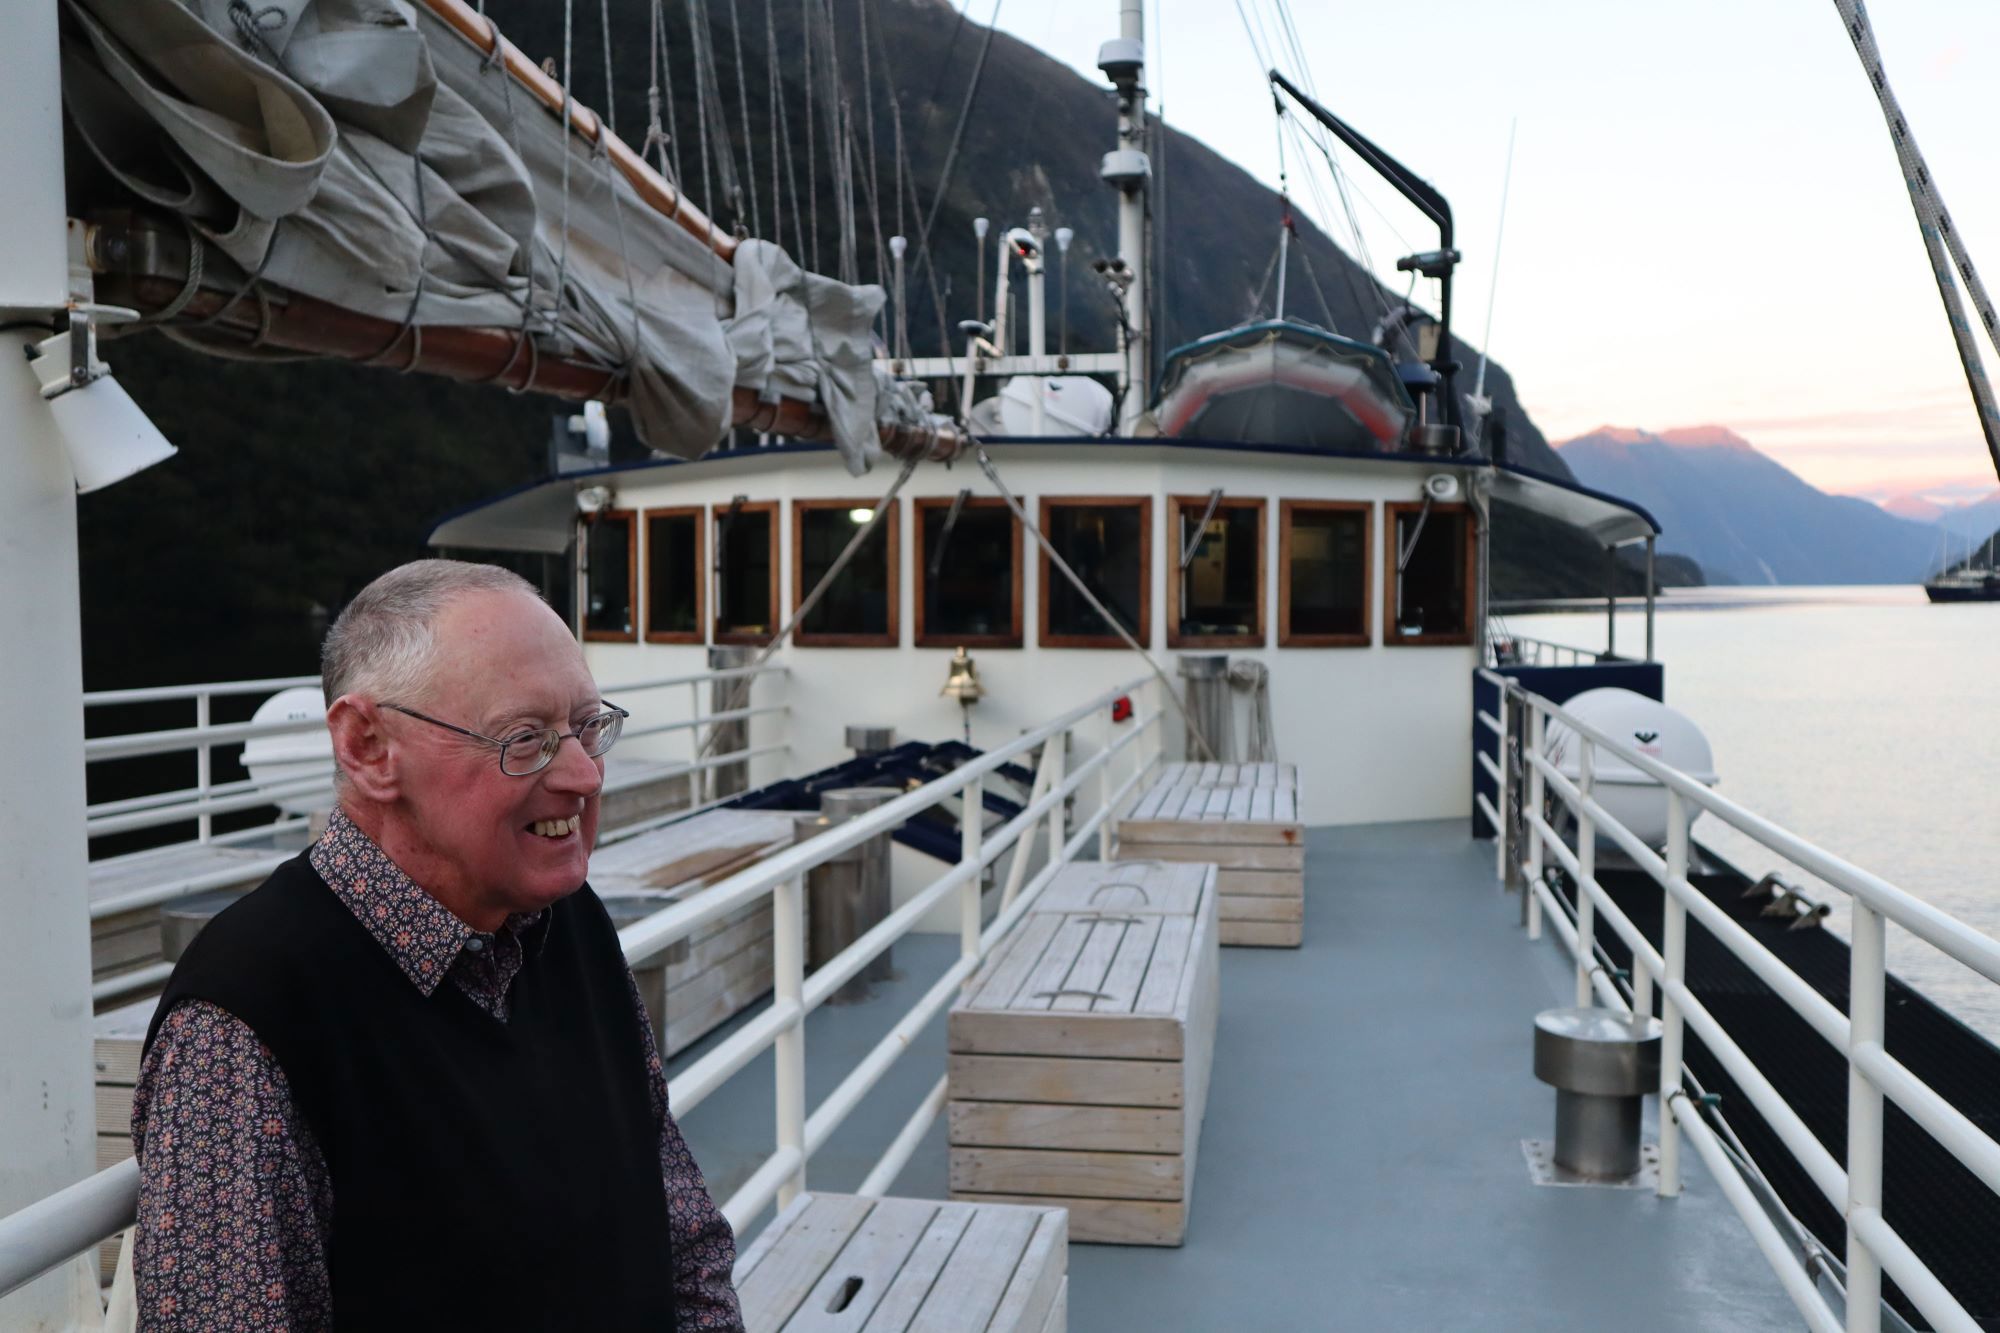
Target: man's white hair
[{"x": 384, "y": 646}]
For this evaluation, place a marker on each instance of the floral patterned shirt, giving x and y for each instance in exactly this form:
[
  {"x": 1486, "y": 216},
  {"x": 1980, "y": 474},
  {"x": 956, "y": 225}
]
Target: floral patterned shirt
[{"x": 235, "y": 1201}]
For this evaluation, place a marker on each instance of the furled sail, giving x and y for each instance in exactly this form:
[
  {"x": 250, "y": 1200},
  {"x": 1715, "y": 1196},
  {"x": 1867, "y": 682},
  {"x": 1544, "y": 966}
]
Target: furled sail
[{"x": 344, "y": 167}]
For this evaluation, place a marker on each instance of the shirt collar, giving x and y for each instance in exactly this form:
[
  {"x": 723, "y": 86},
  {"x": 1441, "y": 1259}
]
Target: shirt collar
[{"x": 420, "y": 933}]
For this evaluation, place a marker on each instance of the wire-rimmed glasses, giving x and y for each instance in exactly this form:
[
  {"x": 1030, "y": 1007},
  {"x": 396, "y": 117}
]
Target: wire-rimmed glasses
[{"x": 529, "y": 752}]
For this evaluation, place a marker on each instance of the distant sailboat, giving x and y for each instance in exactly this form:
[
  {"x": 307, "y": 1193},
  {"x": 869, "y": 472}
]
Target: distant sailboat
[{"x": 1968, "y": 582}]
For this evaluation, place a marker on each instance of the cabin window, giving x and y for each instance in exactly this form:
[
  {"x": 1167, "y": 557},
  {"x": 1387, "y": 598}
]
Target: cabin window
[
  {"x": 746, "y": 572},
  {"x": 1215, "y": 574},
  {"x": 968, "y": 573},
  {"x": 673, "y": 575},
  {"x": 1108, "y": 541},
  {"x": 1323, "y": 574},
  {"x": 1428, "y": 561},
  {"x": 858, "y": 610},
  {"x": 612, "y": 574}
]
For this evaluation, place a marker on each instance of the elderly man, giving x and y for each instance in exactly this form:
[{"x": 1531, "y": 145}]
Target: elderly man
[{"x": 408, "y": 1082}]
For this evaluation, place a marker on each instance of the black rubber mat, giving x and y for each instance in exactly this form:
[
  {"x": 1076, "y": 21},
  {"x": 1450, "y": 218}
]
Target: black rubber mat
[{"x": 1945, "y": 1213}]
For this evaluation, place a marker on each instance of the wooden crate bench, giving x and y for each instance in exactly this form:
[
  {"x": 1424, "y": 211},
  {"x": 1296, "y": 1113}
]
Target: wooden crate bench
[
  {"x": 726, "y": 964},
  {"x": 841, "y": 1262},
  {"x": 1080, "y": 1053},
  {"x": 1244, "y": 820}
]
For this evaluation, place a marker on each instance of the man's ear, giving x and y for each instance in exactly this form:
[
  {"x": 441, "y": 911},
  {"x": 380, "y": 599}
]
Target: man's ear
[{"x": 361, "y": 747}]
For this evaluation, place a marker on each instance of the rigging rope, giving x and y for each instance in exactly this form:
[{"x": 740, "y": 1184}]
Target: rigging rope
[
  {"x": 743, "y": 106},
  {"x": 1104, "y": 612},
  {"x": 562, "y": 263},
  {"x": 1938, "y": 232},
  {"x": 874, "y": 178},
  {"x": 694, "y": 8},
  {"x": 812, "y": 147},
  {"x": 964, "y": 115},
  {"x": 739, "y": 694},
  {"x": 775, "y": 104}
]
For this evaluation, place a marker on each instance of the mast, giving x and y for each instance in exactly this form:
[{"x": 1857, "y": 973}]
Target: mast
[
  {"x": 47, "y": 1140},
  {"x": 1126, "y": 169}
]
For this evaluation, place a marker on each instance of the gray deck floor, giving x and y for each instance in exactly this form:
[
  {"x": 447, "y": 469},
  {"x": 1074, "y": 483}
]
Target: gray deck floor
[{"x": 1360, "y": 1165}]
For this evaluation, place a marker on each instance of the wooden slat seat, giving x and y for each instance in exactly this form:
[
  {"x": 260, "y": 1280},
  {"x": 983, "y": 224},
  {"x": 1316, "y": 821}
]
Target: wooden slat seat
[
  {"x": 1080, "y": 1054},
  {"x": 839, "y": 1263},
  {"x": 1241, "y": 818}
]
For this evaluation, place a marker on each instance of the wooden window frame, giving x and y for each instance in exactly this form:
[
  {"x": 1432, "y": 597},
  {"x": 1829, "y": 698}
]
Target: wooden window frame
[
  {"x": 699, "y": 513},
  {"x": 920, "y": 572},
  {"x": 1286, "y": 637},
  {"x": 1176, "y": 505},
  {"x": 1391, "y": 511},
  {"x": 1144, "y": 631},
  {"x": 717, "y": 513},
  {"x": 629, "y": 518},
  {"x": 890, "y": 638}
]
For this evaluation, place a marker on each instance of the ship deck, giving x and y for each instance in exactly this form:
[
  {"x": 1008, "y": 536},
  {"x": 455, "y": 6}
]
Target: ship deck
[{"x": 1361, "y": 1162}]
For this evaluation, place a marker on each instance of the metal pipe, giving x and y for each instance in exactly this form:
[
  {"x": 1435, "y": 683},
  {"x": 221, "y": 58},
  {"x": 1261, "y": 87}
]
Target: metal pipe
[
  {"x": 905, "y": 1144},
  {"x": 130, "y": 983},
  {"x": 1586, "y": 876},
  {"x": 1673, "y": 971},
  {"x": 1652, "y": 587},
  {"x": 788, "y": 964},
  {"x": 1978, "y": 951},
  {"x": 62, "y": 1226},
  {"x": 46, "y": 1097},
  {"x": 1784, "y": 1121},
  {"x": 1938, "y": 1306},
  {"x": 867, "y": 1072},
  {"x": 1530, "y": 905},
  {"x": 1772, "y": 1243},
  {"x": 1827, "y": 1020}
]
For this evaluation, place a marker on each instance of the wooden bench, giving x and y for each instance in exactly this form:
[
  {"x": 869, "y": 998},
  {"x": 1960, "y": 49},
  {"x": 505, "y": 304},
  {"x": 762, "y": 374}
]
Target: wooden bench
[
  {"x": 726, "y": 964},
  {"x": 840, "y": 1262},
  {"x": 1243, "y": 819},
  {"x": 1080, "y": 1053}
]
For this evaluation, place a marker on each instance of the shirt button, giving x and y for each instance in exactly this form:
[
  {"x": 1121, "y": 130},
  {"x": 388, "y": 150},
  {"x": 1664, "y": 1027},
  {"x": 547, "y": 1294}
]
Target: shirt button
[{"x": 477, "y": 944}]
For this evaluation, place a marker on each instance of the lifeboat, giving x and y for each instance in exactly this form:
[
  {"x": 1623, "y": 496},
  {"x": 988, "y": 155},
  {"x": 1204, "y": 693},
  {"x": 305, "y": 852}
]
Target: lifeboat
[{"x": 1281, "y": 382}]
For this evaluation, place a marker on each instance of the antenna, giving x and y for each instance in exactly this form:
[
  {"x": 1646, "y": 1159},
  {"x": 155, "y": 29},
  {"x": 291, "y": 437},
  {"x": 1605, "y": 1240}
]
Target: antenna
[{"x": 1493, "y": 290}]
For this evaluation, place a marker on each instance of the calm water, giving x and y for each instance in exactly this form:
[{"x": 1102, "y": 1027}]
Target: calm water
[{"x": 1863, "y": 719}]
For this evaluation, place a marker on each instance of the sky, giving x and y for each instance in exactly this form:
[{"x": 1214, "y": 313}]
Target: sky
[{"x": 1706, "y": 222}]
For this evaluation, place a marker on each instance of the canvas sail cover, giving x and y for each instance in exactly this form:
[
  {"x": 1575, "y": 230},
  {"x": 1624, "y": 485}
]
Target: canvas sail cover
[{"x": 365, "y": 154}]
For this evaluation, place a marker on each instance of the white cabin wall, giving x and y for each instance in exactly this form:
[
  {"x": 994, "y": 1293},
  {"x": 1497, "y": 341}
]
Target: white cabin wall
[{"x": 1380, "y": 733}]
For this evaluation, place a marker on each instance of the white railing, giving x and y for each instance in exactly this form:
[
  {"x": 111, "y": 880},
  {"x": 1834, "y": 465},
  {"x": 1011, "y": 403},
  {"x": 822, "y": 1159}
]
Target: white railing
[
  {"x": 1873, "y": 1246},
  {"x": 210, "y": 742},
  {"x": 1520, "y": 650},
  {"x": 200, "y": 803},
  {"x": 65, "y": 1224}
]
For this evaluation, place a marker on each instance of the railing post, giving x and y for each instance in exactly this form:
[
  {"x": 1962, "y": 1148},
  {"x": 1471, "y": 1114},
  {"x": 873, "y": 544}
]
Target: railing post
[
  {"x": 1502, "y": 841},
  {"x": 205, "y": 824},
  {"x": 788, "y": 958},
  {"x": 1673, "y": 968},
  {"x": 1865, "y": 1013},
  {"x": 971, "y": 838},
  {"x": 1104, "y": 790},
  {"x": 1059, "y": 766},
  {"x": 1586, "y": 864},
  {"x": 700, "y": 779},
  {"x": 1531, "y": 906}
]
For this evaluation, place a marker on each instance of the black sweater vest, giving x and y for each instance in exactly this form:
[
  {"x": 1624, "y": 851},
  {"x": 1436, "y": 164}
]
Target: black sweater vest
[{"x": 485, "y": 1175}]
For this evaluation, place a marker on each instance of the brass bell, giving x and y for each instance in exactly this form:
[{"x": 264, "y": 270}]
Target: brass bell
[{"x": 963, "y": 683}]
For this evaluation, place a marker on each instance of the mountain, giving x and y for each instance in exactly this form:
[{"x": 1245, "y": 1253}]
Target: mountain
[
  {"x": 1967, "y": 508},
  {"x": 1974, "y": 521},
  {"x": 1746, "y": 518}
]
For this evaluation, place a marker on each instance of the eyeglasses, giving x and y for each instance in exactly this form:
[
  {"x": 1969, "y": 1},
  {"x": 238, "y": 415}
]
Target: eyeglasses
[{"x": 529, "y": 752}]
